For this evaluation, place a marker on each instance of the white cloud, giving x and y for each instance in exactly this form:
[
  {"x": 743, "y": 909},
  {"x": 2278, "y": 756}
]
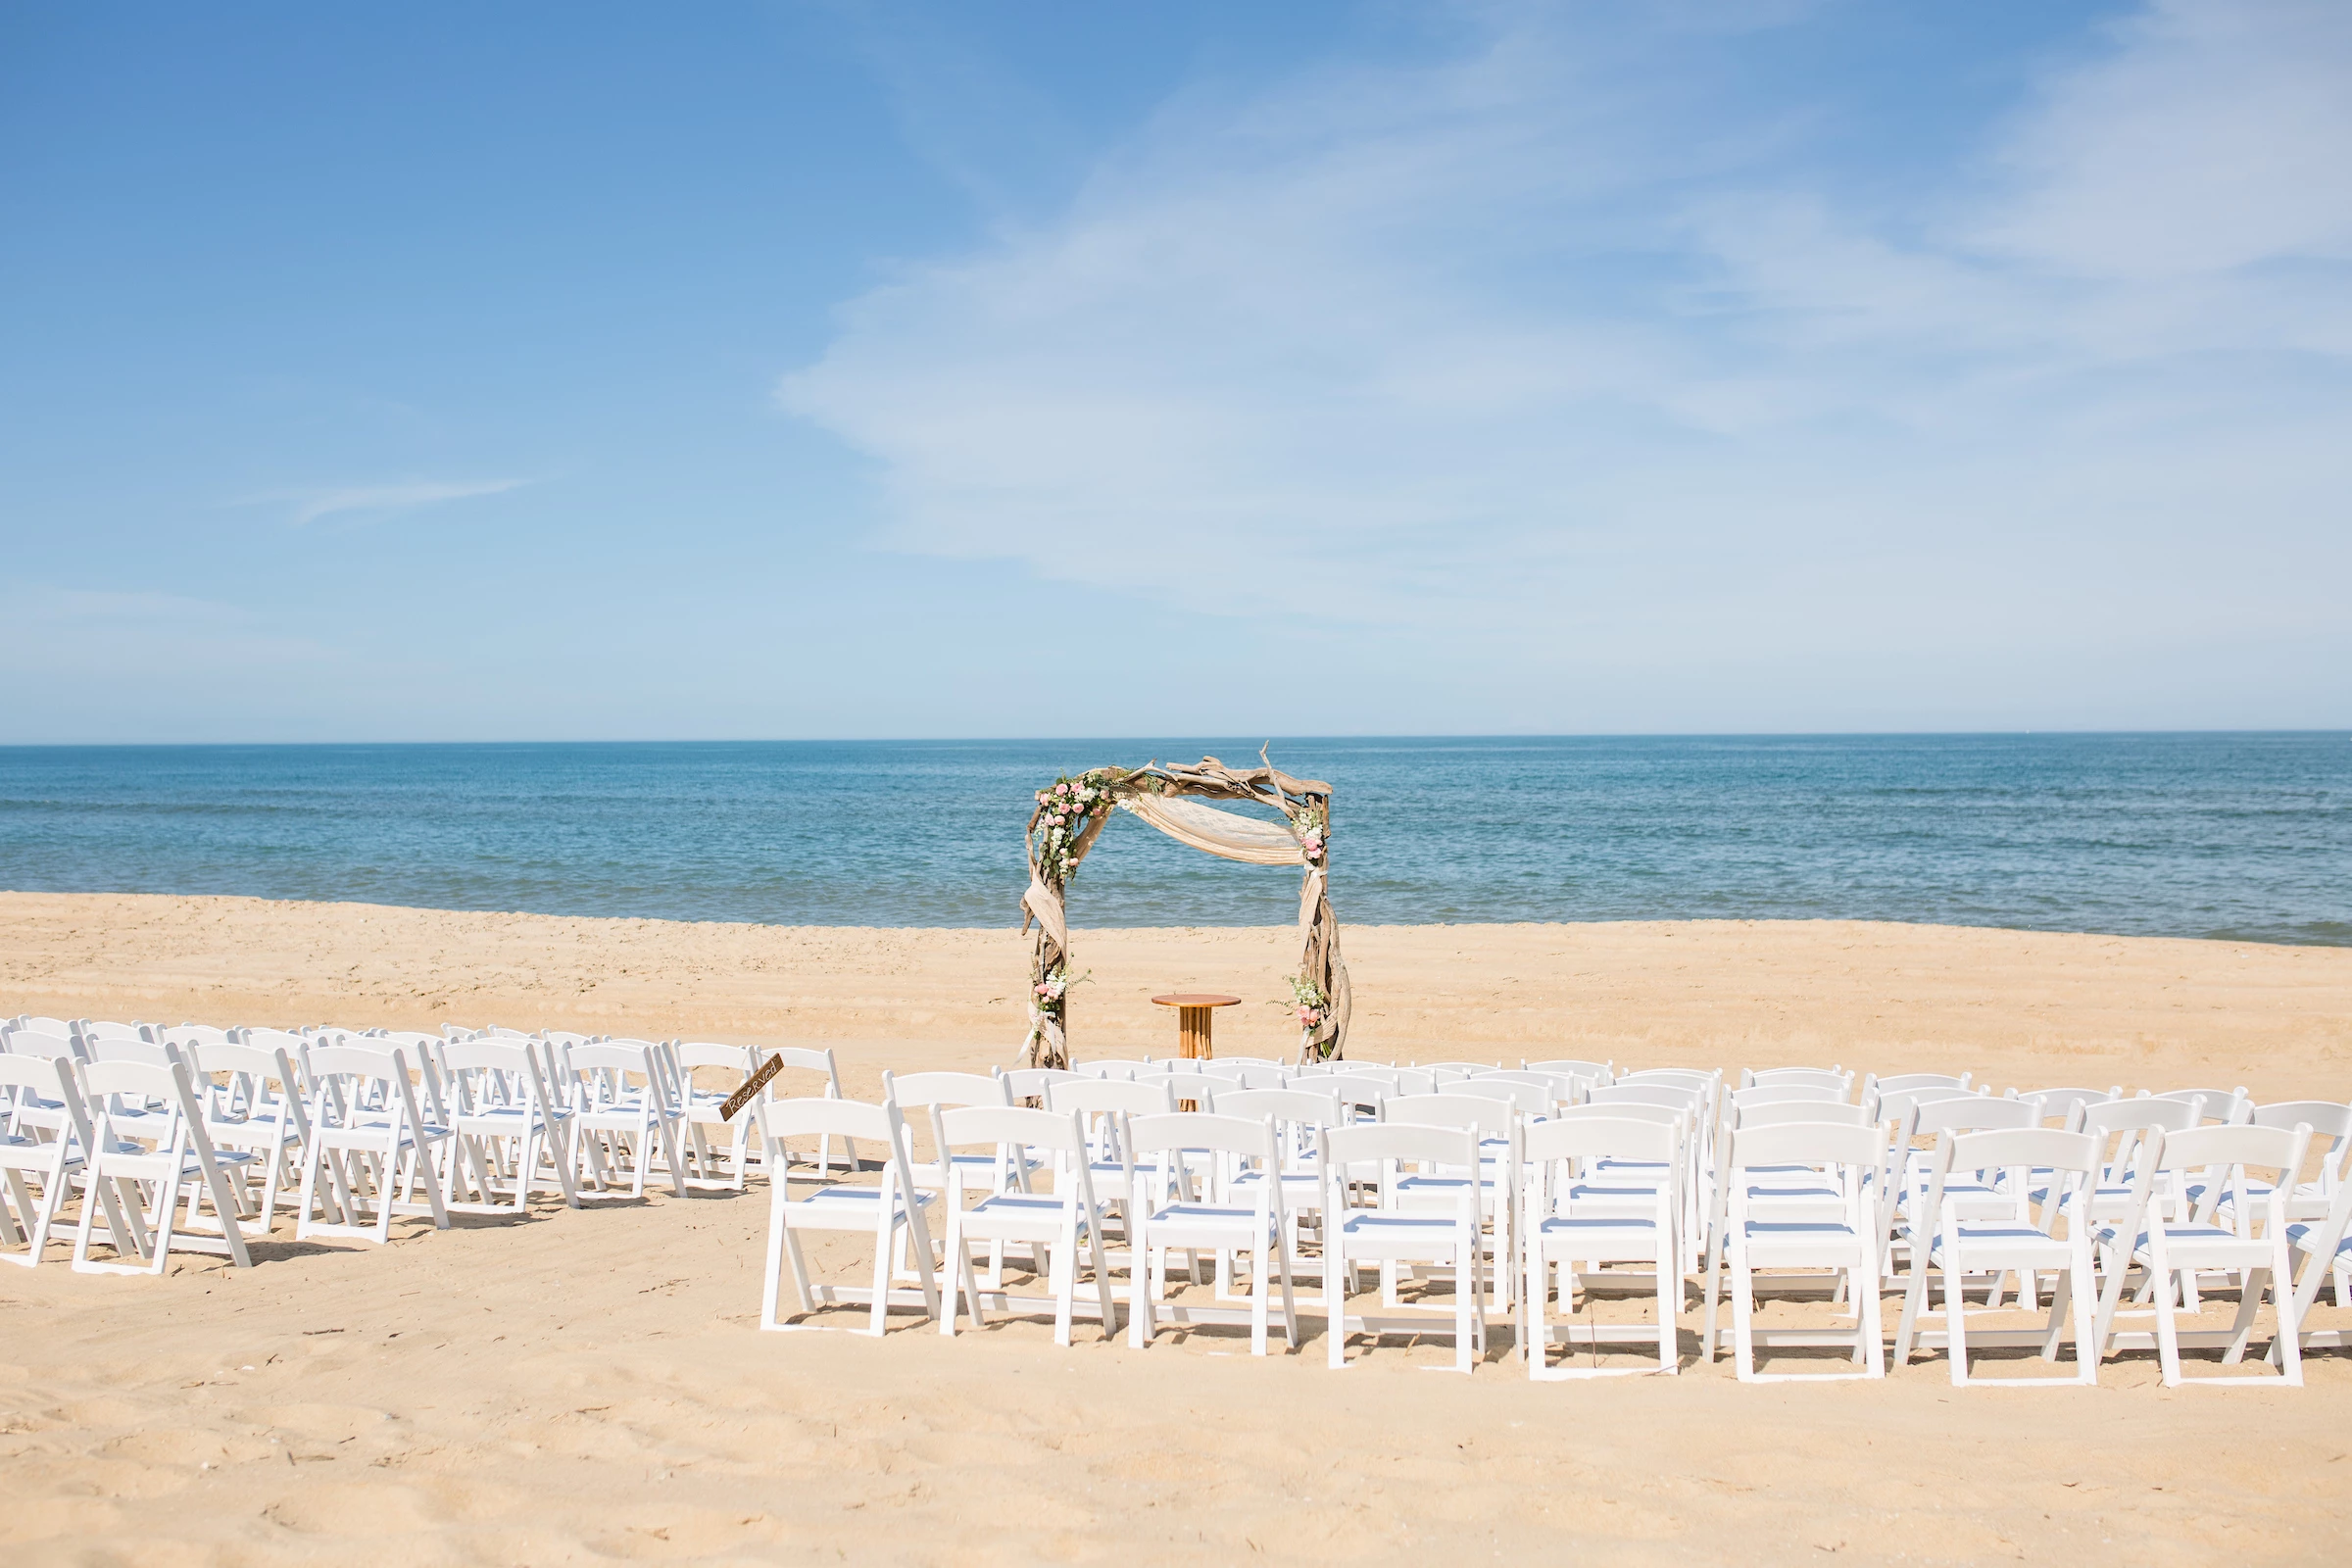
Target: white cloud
[
  {"x": 381, "y": 500},
  {"x": 1519, "y": 349}
]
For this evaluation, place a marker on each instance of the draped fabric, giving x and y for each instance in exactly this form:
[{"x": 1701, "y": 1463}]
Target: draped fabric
[{"x": 1228, "y": 835}]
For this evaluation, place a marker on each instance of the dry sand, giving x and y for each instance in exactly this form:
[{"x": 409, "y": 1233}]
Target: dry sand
[{"x": 589, "y": 1385}]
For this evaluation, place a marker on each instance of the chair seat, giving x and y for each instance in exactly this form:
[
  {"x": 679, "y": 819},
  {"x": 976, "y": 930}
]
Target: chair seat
[
  {"x": 1206, "y": 1224},
  {"x": 2300, "y": 1236},
  {"x": 1800, "y": 1241},
  {"x": 2007, "y": 1240},
  {"x": 2205, "y": 1244},
  {"x": 1016, "y": 1217},
  {"x": 1372, "y": 1234},
  {"x": 14, "y": 1152}
]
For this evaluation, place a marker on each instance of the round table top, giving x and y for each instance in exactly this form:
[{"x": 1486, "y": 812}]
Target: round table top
[{"x": 1195, "y": 998}]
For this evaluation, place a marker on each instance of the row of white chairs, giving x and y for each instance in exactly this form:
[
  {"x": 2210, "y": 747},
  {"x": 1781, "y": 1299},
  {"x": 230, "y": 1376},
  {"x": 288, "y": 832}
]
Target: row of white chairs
[
  {"x": 1785, "y": 1185},
  {"x": 192, "y": 1138},
  {"x": 193, "y": 1118}
]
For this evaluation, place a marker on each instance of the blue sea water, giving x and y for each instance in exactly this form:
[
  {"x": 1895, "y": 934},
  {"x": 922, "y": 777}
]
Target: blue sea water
[{"x": 2246, "y": 836}]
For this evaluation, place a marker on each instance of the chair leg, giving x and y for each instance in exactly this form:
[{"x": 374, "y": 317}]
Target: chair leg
[
  {"x": 1670, "y": 1302},
  {"x": 1955, "y": 1322},
  {"x": 769, "y": 1283},
  {"x": 1335, "y": 1280},
  {"x": 878, "y": 1315}
]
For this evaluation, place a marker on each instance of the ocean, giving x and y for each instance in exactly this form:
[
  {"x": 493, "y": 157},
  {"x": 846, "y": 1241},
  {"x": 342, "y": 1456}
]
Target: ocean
[{"x": 2240, "y": 836}]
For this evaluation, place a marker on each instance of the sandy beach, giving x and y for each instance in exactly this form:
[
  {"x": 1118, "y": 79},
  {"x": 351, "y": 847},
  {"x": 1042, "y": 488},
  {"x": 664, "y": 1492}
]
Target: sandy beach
[{"x": 582, "y": 1385}]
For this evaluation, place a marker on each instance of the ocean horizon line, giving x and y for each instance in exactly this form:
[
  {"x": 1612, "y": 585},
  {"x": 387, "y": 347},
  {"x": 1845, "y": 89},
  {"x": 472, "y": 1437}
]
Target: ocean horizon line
[{"x": 2092, "y": 733}]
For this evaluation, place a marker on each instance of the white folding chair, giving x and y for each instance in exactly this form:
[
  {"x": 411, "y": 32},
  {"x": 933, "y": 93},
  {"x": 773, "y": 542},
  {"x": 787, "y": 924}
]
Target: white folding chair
[
  {"x": 258, "y": 1109},
  {"x": 148, "y": 1153},
  {"x": 368, "y": 1140},
  {"x": 1059, "y": 1222},
  {"x": 2321, "y": 1248},
  {"x": 820, "y": 1060},
  {"x": 1494, "y": 1121},
  {"x": 27, "y": 1157},
  {"x": 704, "y": 1109},
  {"x": 511, "y": 1136},
  {"x": 889, "y": 1209},
  {"x": 1299, "y": 1115},
  {"x": 1393, "y": 1233},
  {"x": 618, "y": 1092},
  {"x": 1957, "y": 1239},
  {"x": 1848, "y": 1241},
  {"x": 1576, "y": 1215},
  {"x": 1162, "y": 1218},
  {"x": 2171, "y": 1249}
]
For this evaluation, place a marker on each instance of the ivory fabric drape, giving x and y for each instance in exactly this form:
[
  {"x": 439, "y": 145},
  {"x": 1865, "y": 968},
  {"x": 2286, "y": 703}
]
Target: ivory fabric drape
[{"x": 1228, "y": 835}]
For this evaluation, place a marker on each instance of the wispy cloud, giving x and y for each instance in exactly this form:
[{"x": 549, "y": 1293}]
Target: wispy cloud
[
  {"x": 1530, "y": 344},
  {"x": 382, "y": 500}
]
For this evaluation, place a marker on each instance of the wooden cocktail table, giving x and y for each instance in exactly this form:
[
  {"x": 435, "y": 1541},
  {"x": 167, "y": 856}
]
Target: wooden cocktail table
[{"x": 1194, "y": 1010}]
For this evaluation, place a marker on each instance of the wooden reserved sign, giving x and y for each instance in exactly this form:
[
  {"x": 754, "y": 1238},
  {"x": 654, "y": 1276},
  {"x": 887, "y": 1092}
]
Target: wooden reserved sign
[{"x": 752, "y": 1086}]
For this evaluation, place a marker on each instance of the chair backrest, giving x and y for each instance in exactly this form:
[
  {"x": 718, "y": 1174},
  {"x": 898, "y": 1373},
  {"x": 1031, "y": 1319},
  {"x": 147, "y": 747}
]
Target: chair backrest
[
  {"x": 1346, "y": 1148},
  {"x": 2059, "y": 1105},
  {"x": 1198, "y": 1088},
  {"x": 1689, "y": 1077},
  {"x": 1812, "y": 1143},
  {"x": 842, "y": 1118},
  {"x": 352, "y": 1084},
  {"x": 2325, "y": 1117},
  {"x": 41, "y": 1043},
  {"x": 1623, "y": 1110},
  {"x": 1457, "y": 1067},
  {"x": 2142, "y": 1113},
  {"x": 250, "y": 1070},
  {"x": 1550, "y": 1082},
  {"x": 1975, "y": 1113},
  {"x": 105, "y": 1083},
  {"x": 192, "y": 1034},
  {"x": 691, "y": 1055},
  {"x": 95, "y": 1030},
  {"x": 51, "y": 1077},
  {"x": 1691, "y": 1102},
  {"x": 1918, "y": 1080},
  {"x": 1105, "y": 1097},
  {"x": 127, "y": 1047},
  {"x": 961, "y": 1126},
  {"x": 1788, "y": 1094},
  {"x": 1519, "y": 1096},
  {"x": 1785, "y": 1112},
  {"x": 1901, "y": 1102},
  {"x": 2029, "y": 1147},
  {"x": 2221, "y": 1104},
  {"x": 1837, "y": 1078},
  {"x": 1179, "y": 1131},
  {"x": 1031, "y": 1083},
  {"x": 1299, "y": 1105},
  {"x": 2278, "y": 1149},
  {"x": 1591, "y": 1133},
  {"x": 1492, "y": 1118},
  {"x": 1113, "y": 1067},
  {"x": 493, "y": 1071},
  {"x": 1574, "y": 1065},
  {"x": 808, "y": 1059}
]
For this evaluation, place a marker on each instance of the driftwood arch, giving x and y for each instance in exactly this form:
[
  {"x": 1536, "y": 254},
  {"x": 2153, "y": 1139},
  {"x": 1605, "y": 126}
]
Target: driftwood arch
[{"x": 1071, "y": 815}]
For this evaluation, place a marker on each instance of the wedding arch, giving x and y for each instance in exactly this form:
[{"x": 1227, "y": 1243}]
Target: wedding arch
[{"x": 1071, "y": 815}]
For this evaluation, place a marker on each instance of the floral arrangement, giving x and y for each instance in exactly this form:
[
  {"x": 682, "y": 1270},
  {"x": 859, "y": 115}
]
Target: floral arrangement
[
  {"x": 1312, "y": 824},
  {"x": 1052, "y": 992},
  {"x": 1312, "y": 1006},
  {"x": 1063, "y": 810}
]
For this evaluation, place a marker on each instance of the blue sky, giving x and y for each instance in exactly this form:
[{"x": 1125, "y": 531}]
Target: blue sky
[{"x": 578, "y": 371}]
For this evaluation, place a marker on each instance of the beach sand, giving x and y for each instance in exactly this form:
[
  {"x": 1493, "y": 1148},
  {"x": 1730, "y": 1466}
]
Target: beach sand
[{"x": 590, "y": 1385}]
